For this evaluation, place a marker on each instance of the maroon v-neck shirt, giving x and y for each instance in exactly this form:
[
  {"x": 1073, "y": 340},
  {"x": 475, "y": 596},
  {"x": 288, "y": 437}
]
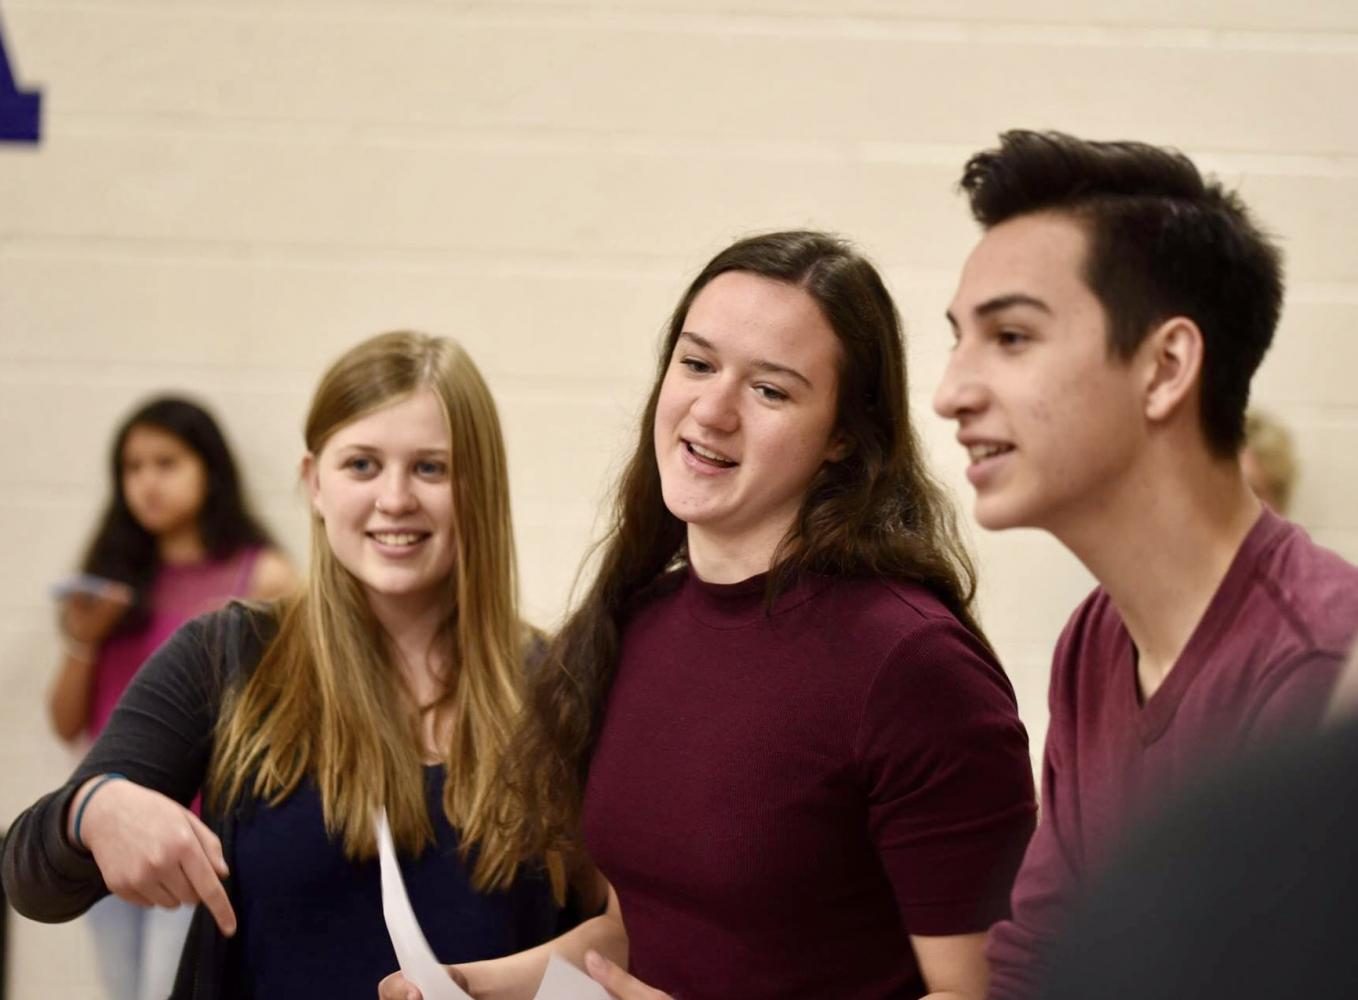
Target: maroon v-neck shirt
[{"x": 1263, "y": 658}]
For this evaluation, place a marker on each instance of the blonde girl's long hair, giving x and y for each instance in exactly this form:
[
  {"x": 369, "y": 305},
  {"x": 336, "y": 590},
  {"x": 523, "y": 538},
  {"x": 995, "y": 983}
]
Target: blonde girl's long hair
[{"x": 325, "y": 700}]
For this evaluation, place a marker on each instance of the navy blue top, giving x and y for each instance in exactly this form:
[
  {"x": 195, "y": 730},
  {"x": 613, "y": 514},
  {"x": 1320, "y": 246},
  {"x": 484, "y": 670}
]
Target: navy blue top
[{"x": 311, "y": 921}]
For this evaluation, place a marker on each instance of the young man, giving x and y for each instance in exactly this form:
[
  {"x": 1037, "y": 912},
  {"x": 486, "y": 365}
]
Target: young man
[{"x": 1107, "y": 328}]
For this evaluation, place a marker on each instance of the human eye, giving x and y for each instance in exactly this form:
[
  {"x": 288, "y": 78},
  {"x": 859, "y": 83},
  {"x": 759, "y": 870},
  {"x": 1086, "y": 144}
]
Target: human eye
[
  {"x": 431, "y": 468},
  {"x": 360, "y": 465},
  {"x": 770, "y": 393},
  {"x": 1011, "y": 339},
  {"x": 696, "y": 366}
]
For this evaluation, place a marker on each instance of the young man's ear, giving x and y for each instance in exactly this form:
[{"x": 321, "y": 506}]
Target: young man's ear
[
  {"x": 1173, "y": 358},
  {"x": 311, "y": 482}
]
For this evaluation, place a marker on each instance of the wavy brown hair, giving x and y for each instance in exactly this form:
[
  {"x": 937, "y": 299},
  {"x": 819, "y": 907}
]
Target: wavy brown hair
[
  {"x": 326, "y": 701},
  {"x": 875, "y": 512}
]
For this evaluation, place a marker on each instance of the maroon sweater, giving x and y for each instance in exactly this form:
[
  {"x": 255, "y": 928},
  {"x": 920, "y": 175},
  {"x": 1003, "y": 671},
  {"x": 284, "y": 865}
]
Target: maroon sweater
[
  {"x": 780, "y": 800},
  {"x": 1264, "y": 657}
]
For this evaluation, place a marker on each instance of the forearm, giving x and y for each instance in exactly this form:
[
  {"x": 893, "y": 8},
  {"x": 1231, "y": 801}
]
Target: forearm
[
  {"x": 516, "y": 977},
  {"x": 78, "y": 810},
  {"x": 156, "y": 739},
  {"x": 45, "y": 877},
  {"x": 160, "y": 733},
  {"x": 68, "y": 701}
]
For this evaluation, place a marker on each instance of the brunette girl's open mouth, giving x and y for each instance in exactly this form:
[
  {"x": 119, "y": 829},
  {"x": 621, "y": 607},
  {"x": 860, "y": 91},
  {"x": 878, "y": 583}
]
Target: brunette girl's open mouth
[{"x": 708, "y": 456}]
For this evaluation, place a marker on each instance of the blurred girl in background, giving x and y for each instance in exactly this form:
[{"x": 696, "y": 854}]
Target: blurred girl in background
[
  {"x": 1269, "y": 460},
  {"x": 176, "y": 540}
]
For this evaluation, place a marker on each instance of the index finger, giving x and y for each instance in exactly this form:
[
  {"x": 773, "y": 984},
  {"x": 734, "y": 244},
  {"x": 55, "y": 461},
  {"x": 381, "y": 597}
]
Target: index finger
[
  {"x": 207, "y": 884},
  {"x": 212, "y": 844}
]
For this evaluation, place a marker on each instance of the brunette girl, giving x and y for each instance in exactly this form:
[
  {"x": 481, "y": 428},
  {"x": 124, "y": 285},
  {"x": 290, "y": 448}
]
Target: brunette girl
[
  {"x": 176, "y": 540},
  {"x": 773, "y": 721}
]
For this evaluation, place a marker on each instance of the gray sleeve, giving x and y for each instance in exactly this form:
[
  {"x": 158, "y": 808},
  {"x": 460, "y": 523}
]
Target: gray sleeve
[{"x": 160, "y": 736}]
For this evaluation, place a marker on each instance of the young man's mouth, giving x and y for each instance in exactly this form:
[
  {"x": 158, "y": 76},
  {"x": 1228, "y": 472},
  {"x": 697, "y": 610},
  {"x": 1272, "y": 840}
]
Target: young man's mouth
[{"x": 981, "y": 450}]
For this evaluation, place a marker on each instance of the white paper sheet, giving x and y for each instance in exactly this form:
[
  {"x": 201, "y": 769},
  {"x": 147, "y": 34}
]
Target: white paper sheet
[
  {"x": 412, "y": 949},
  {"x": 561, "y": 981}
]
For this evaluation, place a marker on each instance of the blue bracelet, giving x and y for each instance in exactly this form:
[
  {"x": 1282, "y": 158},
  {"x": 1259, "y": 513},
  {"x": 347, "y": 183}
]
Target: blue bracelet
[{"x": 80, "y": 813}]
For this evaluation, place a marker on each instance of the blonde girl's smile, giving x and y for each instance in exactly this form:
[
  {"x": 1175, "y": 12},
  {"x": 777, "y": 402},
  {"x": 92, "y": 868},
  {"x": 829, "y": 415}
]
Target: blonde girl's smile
[{"x": 383, "y": 486}]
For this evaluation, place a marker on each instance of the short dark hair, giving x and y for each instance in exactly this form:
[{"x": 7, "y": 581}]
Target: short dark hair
[{"x": 1163, "y": 242}]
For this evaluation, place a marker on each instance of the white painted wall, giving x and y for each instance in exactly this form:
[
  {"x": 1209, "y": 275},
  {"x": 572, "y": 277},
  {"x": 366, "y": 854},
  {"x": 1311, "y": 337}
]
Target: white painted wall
[{"x": 229, "y": 193}]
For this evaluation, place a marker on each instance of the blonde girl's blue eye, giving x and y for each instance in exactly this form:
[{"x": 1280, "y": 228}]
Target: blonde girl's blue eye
[{"x": 361, "y": 464}]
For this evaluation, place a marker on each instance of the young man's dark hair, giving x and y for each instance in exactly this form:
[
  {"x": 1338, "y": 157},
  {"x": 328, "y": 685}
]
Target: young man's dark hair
[{"x": 1163, "y": 242}]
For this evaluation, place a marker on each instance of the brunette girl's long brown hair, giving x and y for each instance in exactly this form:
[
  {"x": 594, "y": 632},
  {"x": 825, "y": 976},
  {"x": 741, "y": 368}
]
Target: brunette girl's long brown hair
[{"x": 876, "y": 512}]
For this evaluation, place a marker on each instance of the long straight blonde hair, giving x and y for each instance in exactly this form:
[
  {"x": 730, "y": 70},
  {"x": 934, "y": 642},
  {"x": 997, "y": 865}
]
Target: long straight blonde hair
[{"x": 326, "y": 701}]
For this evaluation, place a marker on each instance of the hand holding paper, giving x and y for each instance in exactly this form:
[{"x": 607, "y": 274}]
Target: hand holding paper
[
  {"x": 619, "y": 983},
  {"x": 419, "y": 965},
  {"x": 563, "y": 981},
  {"x": 412, "y": 949}
]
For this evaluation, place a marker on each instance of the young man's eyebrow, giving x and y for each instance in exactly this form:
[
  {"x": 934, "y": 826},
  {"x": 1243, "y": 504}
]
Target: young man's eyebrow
[
  {"x": 1000, "y": 303},
  {"x": 771, "y": 367}
]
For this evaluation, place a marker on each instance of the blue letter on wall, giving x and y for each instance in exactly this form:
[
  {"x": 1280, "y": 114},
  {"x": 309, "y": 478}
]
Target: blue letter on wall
[{"x": 18, "y": 108}]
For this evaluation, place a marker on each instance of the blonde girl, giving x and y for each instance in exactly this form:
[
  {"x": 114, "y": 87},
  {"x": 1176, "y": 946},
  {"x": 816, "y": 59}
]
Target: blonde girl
[{"x": 391, "y": 680}]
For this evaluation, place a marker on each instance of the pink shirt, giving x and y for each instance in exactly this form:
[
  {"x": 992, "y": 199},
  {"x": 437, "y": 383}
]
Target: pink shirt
[{"x": 178, "y": 594}]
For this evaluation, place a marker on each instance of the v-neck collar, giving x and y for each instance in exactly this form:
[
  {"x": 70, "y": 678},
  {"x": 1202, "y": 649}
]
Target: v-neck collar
[{"x": 1153, "y": 717}]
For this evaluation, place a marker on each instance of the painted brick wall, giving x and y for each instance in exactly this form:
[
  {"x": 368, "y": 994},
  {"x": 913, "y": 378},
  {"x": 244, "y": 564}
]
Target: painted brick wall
[{"x": 229, "y": 193}]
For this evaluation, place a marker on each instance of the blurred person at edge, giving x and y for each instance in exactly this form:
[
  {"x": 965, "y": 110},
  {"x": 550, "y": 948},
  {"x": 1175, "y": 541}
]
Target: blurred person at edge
[
  {"x": 176, "y": 540},
  {"x": 390, "y": 680},
  {"x": 1243, "y": 889},
  {"x": 1107, "y": 327},
  {"x": 1344, "y": 704},
  {"x": 773, "y": 720},
  {"x": 1269, "y": 460}
]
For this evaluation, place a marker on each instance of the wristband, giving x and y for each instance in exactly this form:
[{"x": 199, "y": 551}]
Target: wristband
[{"x": 80, "y": 813}]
